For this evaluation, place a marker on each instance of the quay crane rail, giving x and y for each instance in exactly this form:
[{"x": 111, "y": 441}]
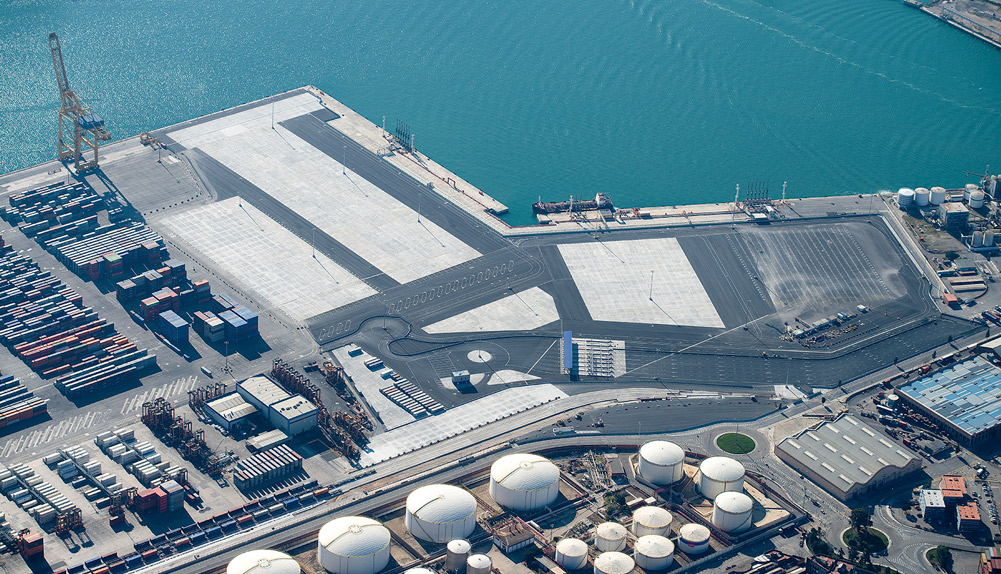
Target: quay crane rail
[{"x": 88, "y": 127}]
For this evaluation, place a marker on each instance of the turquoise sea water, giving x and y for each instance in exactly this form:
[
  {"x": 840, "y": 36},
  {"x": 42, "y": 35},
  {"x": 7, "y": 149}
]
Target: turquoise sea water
[{"x": 652, "y": 102}]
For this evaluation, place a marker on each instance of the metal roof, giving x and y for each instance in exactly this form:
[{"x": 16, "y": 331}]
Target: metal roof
[
  {"x": 968, "y": 395},
  {"x": 294, "y": 407},
  {"x": 932, "y": 497},
  {"x": 263, "y": 390},
  {"x": 231, "y": 407},
  {"x": 845, "y": 451}
]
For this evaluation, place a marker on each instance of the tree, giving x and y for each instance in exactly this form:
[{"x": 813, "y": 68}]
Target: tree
[
  {"x": 816, "y": 543},
  {"x": 951, "y": 255},
  {"x": 861, "y": 521},
  {"x": 941, "y": 556}
]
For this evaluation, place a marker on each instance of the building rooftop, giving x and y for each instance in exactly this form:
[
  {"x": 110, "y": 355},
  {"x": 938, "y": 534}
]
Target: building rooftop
[
  {"x": 954, "y": 208},
  {"x": 231, "y": 407},
  {"x": 953, "y": 487},
  {"x": 932, "y": 497},
  {"x": 845, "y": 451},
  {"x": 264, "y": 390},
  {"x": 968, "y": 511},
  {"x": 967, "y": 394},
  {"x": 294, "y": 407}
]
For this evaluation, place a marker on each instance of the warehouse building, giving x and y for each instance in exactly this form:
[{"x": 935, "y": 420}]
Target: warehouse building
[
  {"x": 965, "y": 400},
  {"x": 932, "y": 505},
  {"x": 294, "y": 416},
  {"x": 261, "y": 392},
  {"x": 229, "y": 411},
  {"x": 846, "y": 457}
]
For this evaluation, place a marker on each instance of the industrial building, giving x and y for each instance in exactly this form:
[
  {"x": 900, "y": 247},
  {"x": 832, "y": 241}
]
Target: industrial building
[
  {"x": 932, "y": 504},
  {"x": 964, "y": 399},
  {"x": 291, "y": 414},
  {"x": 294, "y": 416},
  {"x": 968, "y": 517},
  {"x": 229, "y": 411},
  {"x": 846, "y": 457},
  {"x": 954, "y": 216}
]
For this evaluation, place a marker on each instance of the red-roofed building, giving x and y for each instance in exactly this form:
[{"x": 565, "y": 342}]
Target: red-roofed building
[
  {"x": 953, "y": 490},
  {"x": 968, "y": 517}
]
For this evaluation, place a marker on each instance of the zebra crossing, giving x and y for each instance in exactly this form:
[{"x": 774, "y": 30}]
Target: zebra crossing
[
  {"x": 51, "y": 433},
  {"x": 177, "y": 387}
]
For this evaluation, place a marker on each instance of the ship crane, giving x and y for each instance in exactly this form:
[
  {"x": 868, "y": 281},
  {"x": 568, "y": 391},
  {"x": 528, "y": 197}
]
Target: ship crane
[{"x": 87, "y": 127}]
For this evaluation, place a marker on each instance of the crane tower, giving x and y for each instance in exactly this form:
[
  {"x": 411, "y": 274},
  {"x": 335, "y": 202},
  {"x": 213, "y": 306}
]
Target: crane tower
[{"x": 87, "y": 127}]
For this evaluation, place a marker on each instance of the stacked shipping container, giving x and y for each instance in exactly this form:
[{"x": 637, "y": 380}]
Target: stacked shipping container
[
  {"x": 17, "y": 403},
  {"x": 266, "y": 467}
]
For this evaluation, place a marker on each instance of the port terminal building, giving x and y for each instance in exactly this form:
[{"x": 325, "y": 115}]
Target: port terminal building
[
  {"x": 846, "y": 457},
  {"x": 965, "y": 400}
]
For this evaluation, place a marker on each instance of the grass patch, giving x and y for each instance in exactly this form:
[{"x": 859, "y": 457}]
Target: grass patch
[
  {"x": 873, "y": 541},
  {"x": 735, "y": 443}
]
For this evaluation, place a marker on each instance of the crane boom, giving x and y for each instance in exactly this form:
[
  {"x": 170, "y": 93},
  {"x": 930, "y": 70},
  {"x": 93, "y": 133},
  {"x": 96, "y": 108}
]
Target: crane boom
[{"x": 88, "y": 127}]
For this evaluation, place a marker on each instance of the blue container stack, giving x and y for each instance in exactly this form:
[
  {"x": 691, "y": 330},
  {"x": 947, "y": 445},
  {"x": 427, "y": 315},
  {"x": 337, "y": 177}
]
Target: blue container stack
[{"x": 174, "y": 328}]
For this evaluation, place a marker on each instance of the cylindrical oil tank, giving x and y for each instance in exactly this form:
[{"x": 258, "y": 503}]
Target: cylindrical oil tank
[
  {"x": 653, "y": 552},
  {"x": 732, "y": 512},
  {"x": 989, "y": 238},
  {"x": 456, "y": 553},
  {"x": 353, "y": 545},
  {"x": 571, "y": 553},
  {"x": 720, "y": 474},
  {"x": 651, "y": 520},
  {"x": 922, "y": 196},
  {"x": 693, "y": 538},
  {"x": 263, "y": 562},
  {"x": 524, "y": 481},
  {"x": 937, "y": 195},
  {"x": 478, "y": 564},
  {"x": 613, "y": 563},
  {"x": 992, "y": 186},
  {"x": 662, "y": 462},
  {"x": 968, "y": 191},
  {"x": 977, "y": 199},
  {"x": 610, "y": 537},
  {"x": 978, "y": 239},
  {"x": 421, "y": 571},
  {"x": 892, "y": 400},
  {"x": 905, "y": 197},
  {"x": 440, "y": 512}
]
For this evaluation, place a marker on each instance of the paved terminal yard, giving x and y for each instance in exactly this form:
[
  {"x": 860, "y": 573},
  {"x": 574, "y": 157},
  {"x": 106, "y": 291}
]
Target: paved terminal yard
[{"x": 337, "y": 236}]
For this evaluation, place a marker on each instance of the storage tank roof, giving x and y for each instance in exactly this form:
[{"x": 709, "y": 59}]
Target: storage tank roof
[
  {"x": 652, "y": 516},
  {"x": 571, "y": 547},
  {"x": 662, "y": 452},
  {"x": 722, "y": 468},
  {"x": 734, "y": 502},
  {"x": 354, "y": 536},
  {"x": 441, "y": 503},
  {"x": 263, "y": 562},
  {"x": 694, "y": 532},
  {"x": 614, "y": 563},
  {"x": 654, "y": 546},
  {"x": 524, "y": 472},
  {"x": 611, "y": 530},
  {"x": 419, "y": 571},
  {"x": 478, "y": 561},
  {"x": 459, "y": 546}
]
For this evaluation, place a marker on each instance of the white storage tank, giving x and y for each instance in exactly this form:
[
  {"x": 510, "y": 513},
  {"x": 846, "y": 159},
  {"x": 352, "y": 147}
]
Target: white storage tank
[
  {"x": 662, "y": 462},
  {"x": 922, "y": 196},
  {"x": 968, "y": 191},
  {"x": 478, "y": 564},
  {"x": 524, "y": 481},
  {"x": 937, "y": 195},
  {"x": 456, "y": 553},
  {"x": 263, "y": 562},
  {"x": 613, "y": 563},
  {"x": 989, "y": 238},
  {"x": 651, "y": 520},
  {"x": 693, "y": 538},
  {"x": 977, "y": 199},
  {"x": 905, "y": 197},
  {"x": 610, "y": 537},
  {"x": 978, "y": 239},
  {"x": 440, "y": 513},
  {"x": 992, "y": 186},
  {"x": 571, "y": 553},
  {"x": 353, "y": 545},
  {"x": 420, "y": 571},
  {"x": 653, "y": 552},
  {"x": 720, "y": 474},
  {"x": 732, "y": 512}
]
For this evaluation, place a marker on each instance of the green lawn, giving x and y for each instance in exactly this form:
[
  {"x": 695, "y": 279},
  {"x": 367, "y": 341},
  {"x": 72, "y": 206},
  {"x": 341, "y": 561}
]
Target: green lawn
[
  {"x": 874, "y": 540},
  {"x": 735, "y": 443}
]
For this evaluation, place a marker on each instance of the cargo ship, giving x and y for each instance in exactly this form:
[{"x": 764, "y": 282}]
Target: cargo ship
[{"x": 600, "y": 201}]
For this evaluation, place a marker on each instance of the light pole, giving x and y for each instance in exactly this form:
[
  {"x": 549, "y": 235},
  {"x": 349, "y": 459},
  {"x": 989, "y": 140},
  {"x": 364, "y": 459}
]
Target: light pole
[
  {"x": 651, "y": 284},
  {"x": 313, "y": 243},
  {"x": 344, "y": 161}
]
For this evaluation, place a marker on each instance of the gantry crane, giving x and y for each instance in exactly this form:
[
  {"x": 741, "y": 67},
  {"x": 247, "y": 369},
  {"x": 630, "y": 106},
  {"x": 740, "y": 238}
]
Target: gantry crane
[{"x": 88, "y": 127}]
